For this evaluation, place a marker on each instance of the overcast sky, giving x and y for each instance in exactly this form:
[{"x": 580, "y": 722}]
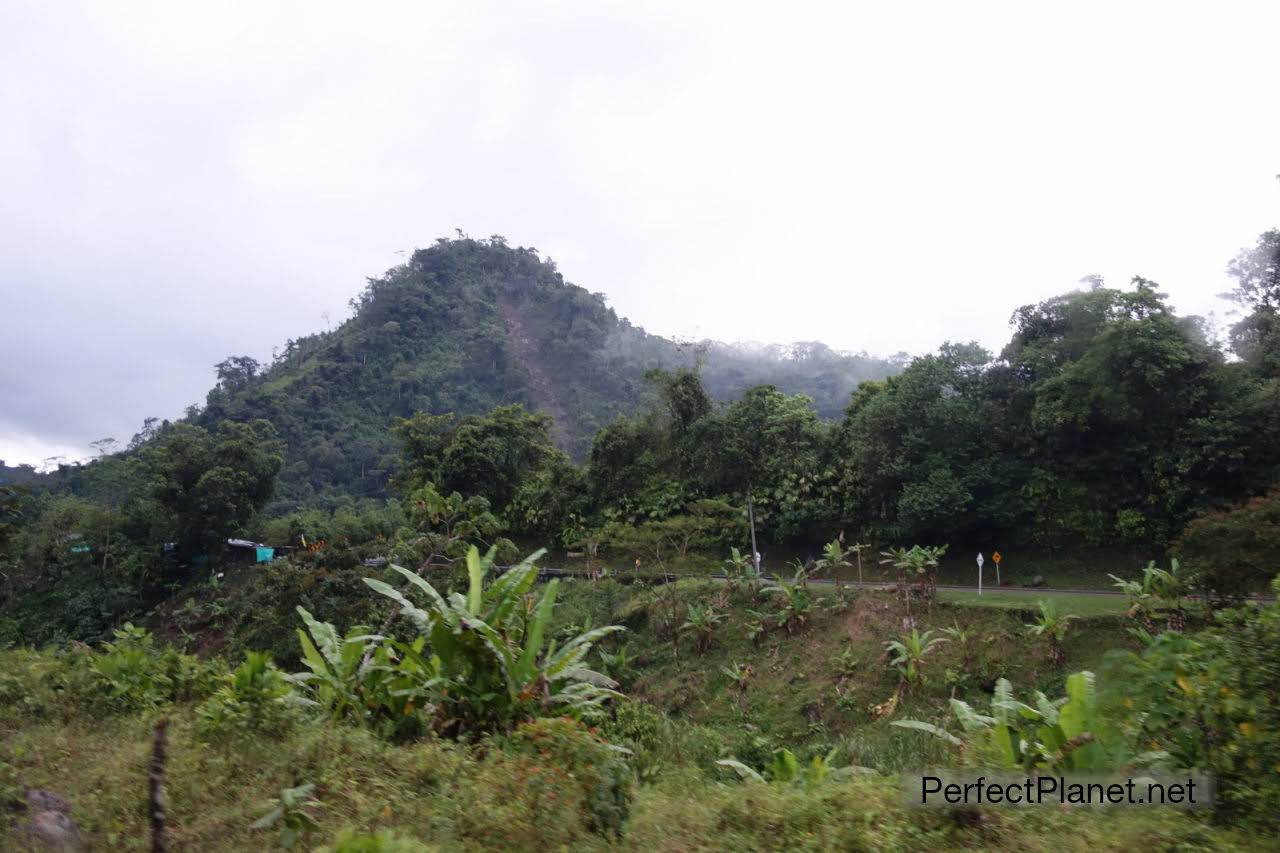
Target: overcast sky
[{"x": 180, "y": 182}]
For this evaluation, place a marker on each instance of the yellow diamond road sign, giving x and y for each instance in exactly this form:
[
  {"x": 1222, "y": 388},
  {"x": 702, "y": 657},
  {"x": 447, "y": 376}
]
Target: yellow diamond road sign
[{"x": 996, "y": 556}]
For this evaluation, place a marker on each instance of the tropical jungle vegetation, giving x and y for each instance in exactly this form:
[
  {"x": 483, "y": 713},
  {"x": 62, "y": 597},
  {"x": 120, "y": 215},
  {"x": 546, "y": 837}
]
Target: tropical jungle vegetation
[{"x": 487, "y": 567}]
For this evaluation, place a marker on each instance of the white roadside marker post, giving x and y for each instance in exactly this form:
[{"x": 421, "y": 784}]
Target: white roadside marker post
[{"x": 980, "y": 573}]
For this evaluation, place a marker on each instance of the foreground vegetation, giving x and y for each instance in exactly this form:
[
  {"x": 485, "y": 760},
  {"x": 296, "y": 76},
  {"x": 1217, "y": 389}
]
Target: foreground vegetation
[{"x": 422, "y": 747}]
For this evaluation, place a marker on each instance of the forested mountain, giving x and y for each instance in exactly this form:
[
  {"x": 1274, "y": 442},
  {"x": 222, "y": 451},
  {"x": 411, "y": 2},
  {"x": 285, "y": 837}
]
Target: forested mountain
[
  {"x": 467, "y": 325},
  {"x": 17, "y": 474}
]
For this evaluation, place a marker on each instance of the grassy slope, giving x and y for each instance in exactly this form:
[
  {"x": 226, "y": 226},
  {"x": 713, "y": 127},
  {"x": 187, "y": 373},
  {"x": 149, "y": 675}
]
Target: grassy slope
[
  {"x": 459, "y": 798},
  {"x": 800, "y": 693},
  {"x": 442, "y": 796}
]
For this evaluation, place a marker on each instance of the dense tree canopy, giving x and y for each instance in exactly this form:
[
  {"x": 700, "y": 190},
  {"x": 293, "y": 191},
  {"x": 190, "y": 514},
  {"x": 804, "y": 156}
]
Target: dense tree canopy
[
  {"x": 1107, "y": 420},
  {"x": 212, "y": 483},
  {"x": 487, "y": 455},
  {"x": 1256, "y": 337}
]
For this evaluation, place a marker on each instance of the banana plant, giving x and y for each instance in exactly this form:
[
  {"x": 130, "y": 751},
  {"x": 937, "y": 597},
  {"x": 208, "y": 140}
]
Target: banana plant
[
  {"x": 1159, "y": 593},
  {"x": 367, "y": 677},
  {"x": 491, "y": 654},
  {"x": 739, "y": 566},
  {"x": 786, "y": 769},
  {"x": 833, "y": 559},
  {"x": 796, "y": 604},
  {"x": 617, "y": 665},
  {"x": 757, "y": 625},
  {"x": 918, "y": 563},
  {"x": 907, "y": 654},
  {"x": 739, "y": 674},
  {"x": 701, "y": 622},
  {"x": 964, "y": 640},
  {"x": 1053, "y": 626},
  {"x": 1065, "y": 735},
  {"x": 1141, "y": 598},
  {"x": 336, "y": 663}
]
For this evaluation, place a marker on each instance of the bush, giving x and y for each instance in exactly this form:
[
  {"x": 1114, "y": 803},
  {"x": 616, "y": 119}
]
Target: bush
[
  {"x": 366, "y": 678},
  {"x": 642, "y": 729},
  {"x": 1234, "y": 552},
  {"x": 1212, "y": 700},
  {"x": 133, "y": 673},
  {"x": 254, "y": 699},
  {"x": 584, "y": 768},
  {"x": 263, "y": 609},
  {"x": 492, "y": 663}
]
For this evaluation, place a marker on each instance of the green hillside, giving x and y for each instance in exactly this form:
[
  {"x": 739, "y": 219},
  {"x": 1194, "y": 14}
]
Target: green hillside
[{"x": 467, "y": 325}]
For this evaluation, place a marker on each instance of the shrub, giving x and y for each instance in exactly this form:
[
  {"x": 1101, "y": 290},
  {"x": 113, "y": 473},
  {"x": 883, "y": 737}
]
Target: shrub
[
  {"x": 554, "y": 785},
  {"x": 255, "y": 698},
  {"x": 289, "y": 816},
  {"x": 1069, "y": 735},
  {"x": 264, "y": 606},
  {"x": 491, "y": 666},
  {"x": 597, "y": 768},
  {"x": 1233, "y": 552},
  {"x": 1212, "y": 700},
  {"x": 134, "y": 673},
  {"x": 644, "y": 730}
]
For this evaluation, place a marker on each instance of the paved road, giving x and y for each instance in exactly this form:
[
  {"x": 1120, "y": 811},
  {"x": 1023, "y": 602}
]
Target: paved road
[{"x": 1017, "y": 590}]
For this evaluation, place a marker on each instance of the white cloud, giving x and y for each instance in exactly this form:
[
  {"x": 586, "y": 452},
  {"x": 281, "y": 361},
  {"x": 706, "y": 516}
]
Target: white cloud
[{"x": 183, "y": 181}]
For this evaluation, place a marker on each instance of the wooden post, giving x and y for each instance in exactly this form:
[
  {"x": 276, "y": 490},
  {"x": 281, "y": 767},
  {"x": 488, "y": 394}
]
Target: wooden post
[{"x": 156, "y": 797}]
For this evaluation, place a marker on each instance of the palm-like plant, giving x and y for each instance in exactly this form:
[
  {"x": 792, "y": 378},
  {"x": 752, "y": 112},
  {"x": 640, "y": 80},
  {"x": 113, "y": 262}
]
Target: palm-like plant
[
  {"x": 796, "y": 605},
  {"x": 833, "y": 559},
  {"x": 1141, "y": 598},
  {"x": 701, "y": 622},
  {"x": 848, "y": 665},
  {"x": 617, "y": 664},
  {"x": 365, "y": 677},
  {"x": 757, "y": 625},
  {"x": 919, "y": 564},
  {"x": 336, "y": 663},
  {"x": 491, "y": 663},
  {"x": 739, "y": 674},
  {"x": 1159, "y": 589},
  {"x": 1066, "y": 735},
  {"x": 907, "y": 655},
  {"x": 786, "y": 769},
  {"x": 963, "y": 638},
  {"x": 739, "y": 566},
  {"x": 1053, "y": 626}
]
